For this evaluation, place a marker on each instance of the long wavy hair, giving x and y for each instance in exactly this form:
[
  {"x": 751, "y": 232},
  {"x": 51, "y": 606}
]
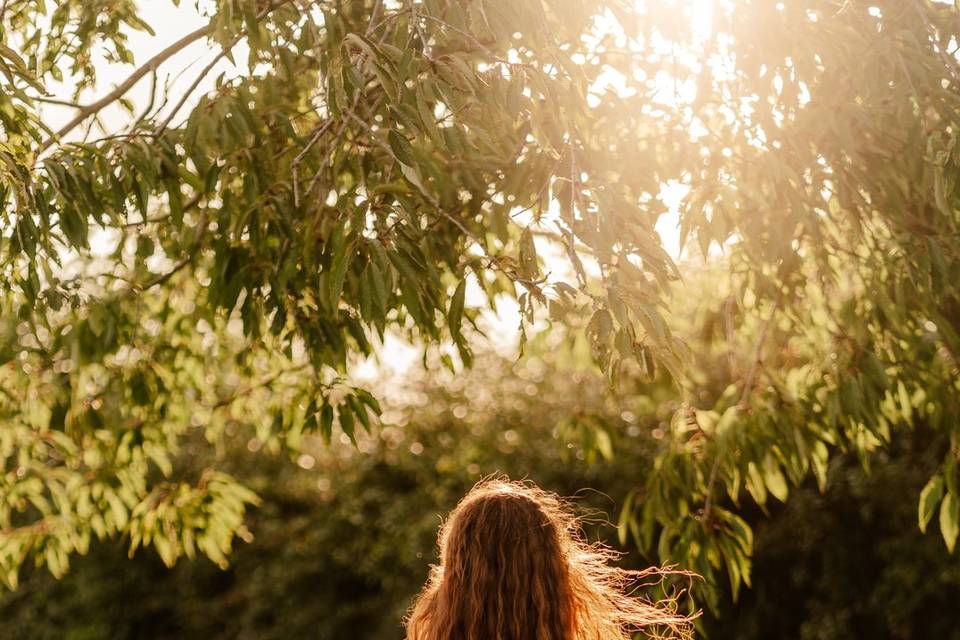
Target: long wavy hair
[{"x": 514, "y": 565}]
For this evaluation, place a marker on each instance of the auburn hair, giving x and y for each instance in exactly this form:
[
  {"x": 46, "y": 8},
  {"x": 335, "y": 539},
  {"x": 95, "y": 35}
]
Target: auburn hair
[{"x": 514, "y": 565}]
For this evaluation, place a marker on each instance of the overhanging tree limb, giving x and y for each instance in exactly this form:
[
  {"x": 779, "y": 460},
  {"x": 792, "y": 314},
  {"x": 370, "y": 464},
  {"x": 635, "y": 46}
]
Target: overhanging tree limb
[{"x": 150, "y": 65}]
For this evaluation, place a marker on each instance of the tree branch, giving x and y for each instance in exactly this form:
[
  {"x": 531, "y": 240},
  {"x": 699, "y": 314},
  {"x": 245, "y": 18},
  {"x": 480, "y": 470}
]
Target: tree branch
[
  {"x": 265, "y": 382},
  {"x": 163, "y": 277},
  {"x": 58, "y": 101},
  {"x": 126, "y": 85},
  {"x": 223, "y": 53},
  {"x": 742, "y": 403},
  {"x": 295, "y": 166}
]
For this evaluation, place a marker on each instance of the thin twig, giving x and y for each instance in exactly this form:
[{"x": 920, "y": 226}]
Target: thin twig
[
  {"x": 730, "y": 334},
  {"x": 468, "y": 36},
  {"x": 494, "y": 260},
  {"x": 189, "y": 204},
  {"x": 326, "y": 158},
  {"x": 415, "y": 21},
  {"x": 263, "y": 383},
  {"x": 560, "y": 238},
  {"x": 63, "y": 103},
  {"x": 374, "y": 15},
  {"x": 953, "y": 66},
  {"x": 196, "y": 81},
  {"x": 163, "y": 277},
  {"x": 295, "y": 165},
  {"x": 224, "y": 51},
  {"x": 150, "y": 103},
  {"x": 336, "y": 141}
]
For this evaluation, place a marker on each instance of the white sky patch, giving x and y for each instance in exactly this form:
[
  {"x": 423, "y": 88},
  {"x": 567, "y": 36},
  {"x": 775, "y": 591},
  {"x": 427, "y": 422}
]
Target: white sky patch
[{"x": 668, "y": 225}]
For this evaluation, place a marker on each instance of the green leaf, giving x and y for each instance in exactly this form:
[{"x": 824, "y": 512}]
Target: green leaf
[
  {"x": 342, "y": 250},
  {"x": 603, "y": 444},
  {"x": 370, "y": 400},
  {"x": 929, "y": 499},
  {"x": 599, "y": 330},
  {"x": 21, "y": 66},
  {"x": 411, "y": 174},
  {"x": 359, "y": 409},
  {"x": 427, "y": 118},
  {"x": 455, "y": 313},
  {"x": 950, "y": 520},
  {"x": 755, "y": 484},
  {"x": 741, "y": 531},
  {"x": 402, "y": 150},
  {"x": 528, "y": 255},
  {"x": 326, "y": 422},
  {"x": 775, "y": 480},
  {"x": 365, "y": 45},
  {"x": 626, "y": 520},
  {"x": 347, "y": 423}
]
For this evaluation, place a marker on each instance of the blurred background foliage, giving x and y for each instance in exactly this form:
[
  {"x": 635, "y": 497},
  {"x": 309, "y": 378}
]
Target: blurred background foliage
[{"x": 343, "y": 536}]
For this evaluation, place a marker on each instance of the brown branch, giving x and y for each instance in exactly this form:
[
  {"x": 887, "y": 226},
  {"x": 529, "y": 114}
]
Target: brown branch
[
  {"x": 265, "y": 382},
  {"x": 126, "y": 85},
  {"x": 151, "y": 65},
  {"x": 295, "y": 165},
  {"x": 196, "y": 81},
  {"x": 57, "y": 101}
]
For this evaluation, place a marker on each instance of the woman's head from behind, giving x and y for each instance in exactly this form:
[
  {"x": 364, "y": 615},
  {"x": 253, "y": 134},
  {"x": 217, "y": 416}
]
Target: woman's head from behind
[{"x": 514, "y": 566}]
